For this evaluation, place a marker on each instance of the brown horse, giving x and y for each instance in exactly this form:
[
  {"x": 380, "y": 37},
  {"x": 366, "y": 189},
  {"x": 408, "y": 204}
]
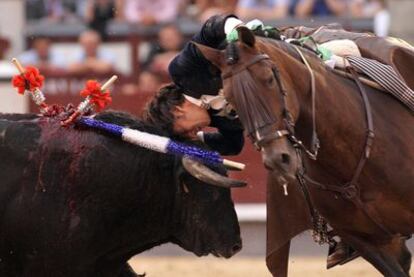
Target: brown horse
[{"x": 367, "y": 201}]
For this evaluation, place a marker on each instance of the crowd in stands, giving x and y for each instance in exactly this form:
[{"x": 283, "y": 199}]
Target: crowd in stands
[
  {"x": 97, "y": 13},
  {"x": 148, "y": 12},
  {"x": 90, "y": 57}
]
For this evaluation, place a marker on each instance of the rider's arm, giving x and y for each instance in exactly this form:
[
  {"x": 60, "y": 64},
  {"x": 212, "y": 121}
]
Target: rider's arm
[
  {"x": 225, "y": 142},
  {"x": 229, "y": 139},
  {"x": 190, "y": 70}
]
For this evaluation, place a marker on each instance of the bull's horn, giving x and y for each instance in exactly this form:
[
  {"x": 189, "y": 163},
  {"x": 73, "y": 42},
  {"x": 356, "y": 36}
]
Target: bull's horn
[{"x": 205, "y": 174}]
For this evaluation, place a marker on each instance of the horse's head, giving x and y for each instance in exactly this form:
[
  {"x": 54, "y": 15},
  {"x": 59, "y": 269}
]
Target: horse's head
[{"x": 253, "y": 85}]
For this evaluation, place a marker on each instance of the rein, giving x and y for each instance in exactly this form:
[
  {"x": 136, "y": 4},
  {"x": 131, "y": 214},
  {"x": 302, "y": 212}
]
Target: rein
[{"x": 350, "y": 190}]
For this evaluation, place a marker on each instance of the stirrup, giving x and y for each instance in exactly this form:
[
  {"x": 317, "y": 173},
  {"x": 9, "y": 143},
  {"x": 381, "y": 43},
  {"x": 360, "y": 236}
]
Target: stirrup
[{"x": 340, "y": 255}]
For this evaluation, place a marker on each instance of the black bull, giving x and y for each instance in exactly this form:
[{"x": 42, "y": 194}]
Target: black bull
[{"x": 78, "y": 203}]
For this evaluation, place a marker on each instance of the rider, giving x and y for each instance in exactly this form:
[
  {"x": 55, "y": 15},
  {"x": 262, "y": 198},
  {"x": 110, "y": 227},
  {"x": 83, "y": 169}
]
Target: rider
[{"x": 194, "y": 101}]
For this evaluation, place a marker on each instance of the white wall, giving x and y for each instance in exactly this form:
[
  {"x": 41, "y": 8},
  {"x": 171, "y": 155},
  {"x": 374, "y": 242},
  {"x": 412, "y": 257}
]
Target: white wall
[
  {"x": 12, "y": 27},
  {"x": 12, "y": 24},
  {"x": 402, "y": 19},
  {"x": 10, "y": 100}
]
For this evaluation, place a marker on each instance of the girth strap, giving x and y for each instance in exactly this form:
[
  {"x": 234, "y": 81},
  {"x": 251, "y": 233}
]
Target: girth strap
[{"x": 370, "y": 126}]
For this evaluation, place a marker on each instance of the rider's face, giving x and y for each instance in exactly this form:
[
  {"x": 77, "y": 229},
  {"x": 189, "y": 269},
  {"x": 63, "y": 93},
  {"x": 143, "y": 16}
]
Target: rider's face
[{"x": 189, "y": 119}]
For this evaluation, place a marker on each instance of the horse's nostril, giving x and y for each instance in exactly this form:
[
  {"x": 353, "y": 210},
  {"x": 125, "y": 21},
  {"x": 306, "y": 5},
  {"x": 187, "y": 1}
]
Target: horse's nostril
[
  {"x": 285, "y": 158},
  {"x": 236, "y": 248}
]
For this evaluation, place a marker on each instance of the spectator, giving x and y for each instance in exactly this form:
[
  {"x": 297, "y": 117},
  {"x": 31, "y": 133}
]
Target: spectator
[
  {"x": 208, "y": 8},
  {"x": 304, "y": 8},
  {"x": 42, "y": 56},
  {"x": 376, "y": 9},
  {"x": 366, "y": 8},
  {"x": 98, "y": 13},
  {"x": 91, "y": 58},
  {"x": 4, "y": 46},
  {"x": 149, "y": 12},
  {"x": 35, "y": 9},
  {"x": 148, "y": 83},
  {"x": 263, "y": 9},
  {"x": 54, "y": 10},
  {"x": 170, "y": 42}
]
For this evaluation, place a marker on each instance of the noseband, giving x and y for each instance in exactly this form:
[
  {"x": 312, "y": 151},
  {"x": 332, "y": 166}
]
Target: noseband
[{"x": 289, "y": 130}]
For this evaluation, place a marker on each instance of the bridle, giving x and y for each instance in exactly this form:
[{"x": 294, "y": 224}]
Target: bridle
[
  {"x": 289, "y": 130},
  {"x": 319, "y": 224}
]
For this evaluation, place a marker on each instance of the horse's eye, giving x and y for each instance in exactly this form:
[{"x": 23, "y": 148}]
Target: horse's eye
[{"x": 270, "y": 81}]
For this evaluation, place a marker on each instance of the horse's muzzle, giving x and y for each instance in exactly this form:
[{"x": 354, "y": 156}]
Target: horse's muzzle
[{"x": 281, "y": 161}]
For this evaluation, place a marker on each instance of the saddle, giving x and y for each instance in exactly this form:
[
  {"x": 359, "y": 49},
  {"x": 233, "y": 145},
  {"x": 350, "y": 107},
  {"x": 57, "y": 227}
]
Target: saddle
[
  {"x": 398, "y": 55},
  {"x": 389, "y": 62},
  {"x": 390, "y": 51}
]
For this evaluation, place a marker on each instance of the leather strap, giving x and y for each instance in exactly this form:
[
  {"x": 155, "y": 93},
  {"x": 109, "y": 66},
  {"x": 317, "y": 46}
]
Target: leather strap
[
  {"x": 273, "y": 136},
  {"x": 370, "y": 127},
  {"x": 315, "y": 140},
  {"x": 254, "y": 60}
]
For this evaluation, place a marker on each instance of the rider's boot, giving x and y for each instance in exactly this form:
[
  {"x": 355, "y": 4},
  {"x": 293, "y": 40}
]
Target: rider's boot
[{"x": 340, "y": 253}]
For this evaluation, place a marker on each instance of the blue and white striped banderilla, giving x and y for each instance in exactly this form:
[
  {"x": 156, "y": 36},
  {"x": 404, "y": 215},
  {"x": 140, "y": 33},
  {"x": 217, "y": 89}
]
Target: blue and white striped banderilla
[{"x": 159, "y": 143}]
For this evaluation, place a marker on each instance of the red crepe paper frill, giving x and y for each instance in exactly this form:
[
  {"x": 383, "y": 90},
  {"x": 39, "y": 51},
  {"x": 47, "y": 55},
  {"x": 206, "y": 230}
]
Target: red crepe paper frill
[
  {"x": 98, "y": 98},
  {"x": 29, "y": 80}
]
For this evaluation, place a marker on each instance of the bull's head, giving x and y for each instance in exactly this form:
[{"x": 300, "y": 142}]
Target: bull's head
[
  {"x": 206, "y": 221},
  {"x": 193, "y": 206}
]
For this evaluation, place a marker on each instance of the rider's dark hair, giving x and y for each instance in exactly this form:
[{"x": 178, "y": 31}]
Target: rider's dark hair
[{"x": 159, "y": 111}]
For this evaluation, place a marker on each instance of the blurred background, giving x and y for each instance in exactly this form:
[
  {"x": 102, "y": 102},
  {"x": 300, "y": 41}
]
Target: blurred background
[{"x": 71, "y": 41}]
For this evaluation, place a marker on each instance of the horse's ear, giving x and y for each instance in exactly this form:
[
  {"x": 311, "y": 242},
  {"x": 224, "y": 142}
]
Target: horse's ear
[
  {"x": 246, "y": 36},
  {"x": 215, "y": 56}
]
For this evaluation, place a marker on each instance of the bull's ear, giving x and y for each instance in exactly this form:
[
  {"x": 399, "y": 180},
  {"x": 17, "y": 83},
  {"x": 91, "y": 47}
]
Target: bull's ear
[
  {"x": 215, "y": 56},
  {"x": 246, "y": 36}
]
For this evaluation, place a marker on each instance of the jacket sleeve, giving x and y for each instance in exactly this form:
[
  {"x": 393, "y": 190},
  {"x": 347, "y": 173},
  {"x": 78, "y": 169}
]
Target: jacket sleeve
[
  {"x": 190, "y": 70},
  {"x": 229, "y": 138},
  {"x": 225, "y": 142}
]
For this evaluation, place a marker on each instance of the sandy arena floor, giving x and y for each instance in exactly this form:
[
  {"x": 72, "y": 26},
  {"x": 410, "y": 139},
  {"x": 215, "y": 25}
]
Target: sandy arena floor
[{"x": 244, "y": 267}]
